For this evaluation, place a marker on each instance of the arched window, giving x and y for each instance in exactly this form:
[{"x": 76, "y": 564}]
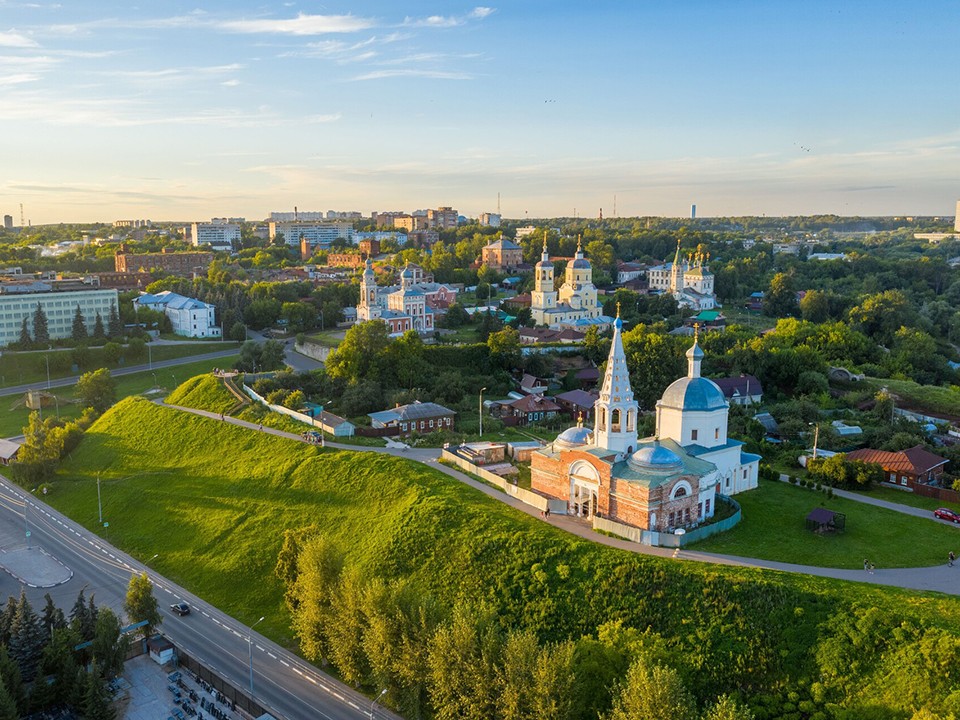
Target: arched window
[
  {"x": 630, "y": 420},
  {"x": 615, "y": 420},
  {"x": 603, "y": 419},
  {"x": 680, "y": 492}
]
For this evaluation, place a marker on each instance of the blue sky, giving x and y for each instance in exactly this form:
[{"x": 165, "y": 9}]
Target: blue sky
[{"x": 189, "y": 110}]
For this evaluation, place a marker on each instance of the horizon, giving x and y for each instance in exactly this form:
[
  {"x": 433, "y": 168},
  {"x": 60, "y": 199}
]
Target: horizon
[{"x": 741, "y": 108}]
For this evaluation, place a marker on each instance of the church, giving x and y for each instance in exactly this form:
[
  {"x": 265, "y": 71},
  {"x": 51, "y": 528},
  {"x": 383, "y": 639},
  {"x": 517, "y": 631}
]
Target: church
[
  {"x": 406, "y": 308},
  {"x": 575, "y": 305},
  {"x": 689, "y": 280},
  {"x": 659, "y": 483}
]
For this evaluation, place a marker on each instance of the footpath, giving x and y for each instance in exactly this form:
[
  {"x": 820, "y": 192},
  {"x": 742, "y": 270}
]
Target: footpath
[{"x": 939, "y": 578}]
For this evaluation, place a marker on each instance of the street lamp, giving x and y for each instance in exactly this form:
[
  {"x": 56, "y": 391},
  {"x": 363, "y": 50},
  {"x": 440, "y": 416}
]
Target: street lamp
[
  {"x": 155, "y": 383},
  {"x": 816, "y": 437},
  {"x": 99, "y": 504},
  {"x": 375, "y": 701},
  {"x": 481, "y": 410},
  {"x": 149, "y": 357},
  {"x": 250, "y": 648},
  {"x": 47, "y": 358}
]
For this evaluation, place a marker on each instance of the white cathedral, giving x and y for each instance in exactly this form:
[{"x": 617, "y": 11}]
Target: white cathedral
[
  {"x": 688, "y": 279},
  {"x": 575, "y": 305},
  {"x": 659, "y": 483}
]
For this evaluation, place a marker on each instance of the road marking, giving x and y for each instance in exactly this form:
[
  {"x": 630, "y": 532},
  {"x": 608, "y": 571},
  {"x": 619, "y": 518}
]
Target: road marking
[
  {"x": 261, "y": 649},
  {"x": 271, "y": 655},
  {"x": 284, "y": 662},
  {"x": 352, "y": 704},
  {"x": 204, "y": 614}
]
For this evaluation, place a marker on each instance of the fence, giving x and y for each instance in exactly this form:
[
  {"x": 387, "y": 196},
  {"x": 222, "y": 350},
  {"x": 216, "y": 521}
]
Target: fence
[
  {"x": 298, "y": 416},
  {"x": 670, "y": 540},
  {"x": 314, "y": 351},
  {"x": 232, "y": 694},
  {"x": 377, "y": 432},
  {"x": 525, "y": 496},
  {"x": 932, "y": 491}
]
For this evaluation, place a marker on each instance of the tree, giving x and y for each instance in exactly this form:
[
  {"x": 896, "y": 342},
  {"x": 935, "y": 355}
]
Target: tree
[
  {"x": 652, "y": 693},
  {"x": 815, "y": 307},
  {"x": 98, "y": 332},
  {"x": 41, "y": 334},
  {"x": 59, "y": 661},
  {"x": 80, "y": 620},
  {"x": 781, "y": 297},
  {"x": 109, "y": 647},
  {"x": 726, "y": 708},
  {"x": 271, "y": 355},
  {"x": 238, "y": 332},
  {"x": 112, "y": 352},
  {"x": 359, "y": 355},
  {"x": 26, "y": 639},
  {"x": 12, "y": 683},
  {"x": 114, "y": 323},
  {"x": 8, "y": 708},
  {"x": 136, "y": 349},
  {"x": 97, "y": 389},
  {"x": 505, "y": 348},
  {"x": 300, "y": 316},
  {"x": 52, "y": 618},
  {"x": 96, "y": 699},
  {"x": 79, "y": 329},
  {"x": 25, "y": 340},
  {"x": 140, "y": 603}
]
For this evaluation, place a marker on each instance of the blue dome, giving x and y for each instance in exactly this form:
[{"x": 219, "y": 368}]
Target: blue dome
[
  {"x": 576, "y": 436},
  {"x": 655, "y": 457},
  {"x": 694, "y": 394},
  {"x": 581, "y": 263}
]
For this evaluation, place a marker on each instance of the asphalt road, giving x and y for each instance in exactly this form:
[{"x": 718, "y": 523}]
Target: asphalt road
[
  {"x": 158, "y": 365},
  {"x": 289, "y": 687}
]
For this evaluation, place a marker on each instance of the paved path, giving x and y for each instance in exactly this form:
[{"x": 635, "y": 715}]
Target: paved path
[{"x": 939, "y": 577}]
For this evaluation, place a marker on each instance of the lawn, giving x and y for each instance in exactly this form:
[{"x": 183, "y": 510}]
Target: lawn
[
  {"x": 773, "y": 529},
  {"x": 13, "y": 421},
  {"x": 907, "y": 498},
  {"x": 920, "y": 398},
  {"x": 327, "y": 338},
  {"x": 19, "y": 368}
]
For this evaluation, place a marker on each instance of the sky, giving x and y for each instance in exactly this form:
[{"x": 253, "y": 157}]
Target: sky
[{"x": 186, "y": 111}]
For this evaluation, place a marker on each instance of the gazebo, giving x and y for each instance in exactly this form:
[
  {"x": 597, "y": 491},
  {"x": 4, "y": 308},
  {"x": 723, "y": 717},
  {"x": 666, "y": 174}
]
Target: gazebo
[{"x": 821, "y": 520}]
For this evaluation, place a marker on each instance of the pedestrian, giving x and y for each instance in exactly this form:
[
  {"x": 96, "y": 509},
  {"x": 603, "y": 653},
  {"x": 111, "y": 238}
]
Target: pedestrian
[
  {"x": 950, "y": 558},
  {"x": 221, "y": 417},
  {"x": 872, "y": 566},
  {"x": 547, "y": 513},
  {"x": 261, "y": 427},
  {"x": 866, "y": 565}
]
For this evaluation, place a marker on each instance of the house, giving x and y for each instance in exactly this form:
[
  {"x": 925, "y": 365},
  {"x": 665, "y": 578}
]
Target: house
[
  {"x": 335, "y": 425},
  {"x": 588, "y": 378},
  {"x": 577, "y": 403},
  {"x": 8, "y": 451},
  {"x": 755, "y": 301},
  {"x": 707, "y": 320},
  {"x": 627, "y": 271},
  {"x": 533, "y": 385},
  {"x": 905, "y": 469},
  {"x": 566, "y": 336},
  {"x": 530, "y": 409},
  {"x": 743, "y": 390},
  {"x": 421, "y": 417},
  {"x": 521, "y": 451},
  {"x": 161, "y": 650},
  {"x": 482, "y": 453},
  {"x": 188, "y": 317},
  {"x": 502, "y": 254}
]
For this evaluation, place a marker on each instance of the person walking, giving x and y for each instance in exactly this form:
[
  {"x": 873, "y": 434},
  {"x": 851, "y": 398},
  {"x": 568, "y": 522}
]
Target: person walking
[
  {"x": 950, "y": 558},
  {"x": 866, "y": 565}
]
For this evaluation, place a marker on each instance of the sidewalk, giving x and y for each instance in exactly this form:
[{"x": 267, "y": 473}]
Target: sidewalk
[{"x": 876, "y": 502}]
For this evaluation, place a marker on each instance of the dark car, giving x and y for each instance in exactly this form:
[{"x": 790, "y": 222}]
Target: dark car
[
  {"x": 947, "y": 514},
  {"x": 181, "y": 608}
]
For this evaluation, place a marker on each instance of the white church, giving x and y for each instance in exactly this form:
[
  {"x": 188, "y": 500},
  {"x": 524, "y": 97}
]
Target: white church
[
  {"x": 575, "y": 305},
  {"x": 688, "y": 279}
]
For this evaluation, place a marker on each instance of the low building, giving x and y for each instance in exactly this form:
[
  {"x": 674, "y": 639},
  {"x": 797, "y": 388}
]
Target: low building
[
  {"x": 742, "y": 390},
  {"x": 907, "y": 468},
  {"x": 502, "y": 254},
  {"x": 482, "y": 453},
  {"x": 417, "y": 417},
  {"x": 345, "y": 260},
  {"x": 534, "y": 336},
  {"x": 124, "y": 280},
  {"x": 533, "y": 385},
  {"x": 707, "y": 320},
  {"x": 577, "y": 403},
  {"x": 8, "y": 451},
  {"x": 529, "y": 409},
  {"x": 521, "y": 451},
  {"x": 627, "y": 271},
  {"x": 189, "y": 317}
]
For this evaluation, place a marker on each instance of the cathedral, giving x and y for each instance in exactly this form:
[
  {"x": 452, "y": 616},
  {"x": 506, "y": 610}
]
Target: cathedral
[
  {"x": 660, "y": 483},
  {"x": 406, "y": 308},
  {"x": 689, "y": 280},
  {"x": 575, "y": 305}
]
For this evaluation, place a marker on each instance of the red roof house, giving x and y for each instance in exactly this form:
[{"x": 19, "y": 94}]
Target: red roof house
[{"x": 907, "y": 468}]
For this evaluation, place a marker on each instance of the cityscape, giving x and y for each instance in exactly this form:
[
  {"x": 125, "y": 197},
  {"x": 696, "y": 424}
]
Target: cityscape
[{"x": 533, "y": 361}]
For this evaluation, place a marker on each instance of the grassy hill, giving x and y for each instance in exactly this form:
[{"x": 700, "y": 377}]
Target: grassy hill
[
  {"x": 213, "y": 500},
  {"x": 204, "y": 392}
]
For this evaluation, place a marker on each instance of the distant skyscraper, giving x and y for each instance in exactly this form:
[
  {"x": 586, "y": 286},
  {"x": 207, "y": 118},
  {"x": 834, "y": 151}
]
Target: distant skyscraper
[
  {"x": 8, "y": 220},
  {"x": 693, "y": 212},
  {"x": 956, "y": 220}
]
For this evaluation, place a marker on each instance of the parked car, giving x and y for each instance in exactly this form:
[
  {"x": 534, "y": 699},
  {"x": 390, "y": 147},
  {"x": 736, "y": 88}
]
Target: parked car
[
  {"x": 181, "y": 608},
  {"x": 947, "y": 514}
]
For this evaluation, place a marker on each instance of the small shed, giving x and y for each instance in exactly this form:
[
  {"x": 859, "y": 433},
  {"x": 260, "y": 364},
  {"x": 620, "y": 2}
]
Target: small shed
[
  {"x": 821, "y": 520},
  {"x": 8, "y": 451},
  {"x": 161, "y": 650}
]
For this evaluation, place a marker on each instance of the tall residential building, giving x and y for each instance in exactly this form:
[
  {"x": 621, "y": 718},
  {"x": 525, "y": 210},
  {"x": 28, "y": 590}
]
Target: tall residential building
[
  {"x": 956, "y": 220},
  {"x": 297, "y": 216},
  {"x": 322, "y": 233},
  {"x": 490, "y": 219},
  {"x": 59, "y": 301},
  {"x": 443, "y": 218},
  {"x": 8, "y": 222},
  {"x": 219, "y": 233}
]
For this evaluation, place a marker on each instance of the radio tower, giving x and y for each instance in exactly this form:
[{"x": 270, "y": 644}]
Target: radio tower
[{"x": 23, "y": 223}]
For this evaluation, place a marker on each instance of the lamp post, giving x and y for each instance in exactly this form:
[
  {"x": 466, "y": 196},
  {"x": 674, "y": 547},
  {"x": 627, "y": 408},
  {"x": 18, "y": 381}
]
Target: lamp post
[
  {"x": 375, "y": 701},
  {"x": 481, "y": 410},
  {"x": 99, "y": 504},
  {"x": 47, "y": 358},
  {"x": 816, "y": 438},
  {"x": 155, "y": 383},
  {"x": 149, "y": 357},
  {"x": 250, "y": 648}
]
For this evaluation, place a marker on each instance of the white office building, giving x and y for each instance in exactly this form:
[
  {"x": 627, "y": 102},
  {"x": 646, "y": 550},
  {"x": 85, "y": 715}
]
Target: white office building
[
  {"x": 219, "y": 233},
  {"x": 20, "y": 300},
  {"x": 189, "y": 317},
  {"x": 314, "y": 233}
]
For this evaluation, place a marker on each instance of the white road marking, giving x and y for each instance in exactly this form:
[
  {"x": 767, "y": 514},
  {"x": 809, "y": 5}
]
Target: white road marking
[
  {"x": 284, "y": 662},
  {"x": 271, "y": 655}
]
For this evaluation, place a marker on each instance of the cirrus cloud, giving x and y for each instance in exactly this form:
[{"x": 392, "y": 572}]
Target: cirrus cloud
[{"x": 303, "y": 24}]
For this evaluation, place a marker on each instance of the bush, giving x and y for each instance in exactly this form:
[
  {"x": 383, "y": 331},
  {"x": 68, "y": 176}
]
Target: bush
[{"x": 793, "y": 480}]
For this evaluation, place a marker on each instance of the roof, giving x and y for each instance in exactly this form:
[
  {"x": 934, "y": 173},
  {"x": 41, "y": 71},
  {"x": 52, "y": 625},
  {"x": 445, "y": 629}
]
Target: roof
[
  {"x": 588, "y": 373},
  {"x": 8, "y": 449},
  {"x": 580, "y": 398},
  {"x": 504, "y": 244},
  {"x": 821, "y": 516},
  {"x": 693, "y": 394},
  {"x": 534, "y": 403},
  {"x": 171, "y": 300},
  {"x": 739, "y": 386},
  {"x": 707, "y": 315},
  {"x": 915, "y": 460},
  {"x": 413, "y": 411}
]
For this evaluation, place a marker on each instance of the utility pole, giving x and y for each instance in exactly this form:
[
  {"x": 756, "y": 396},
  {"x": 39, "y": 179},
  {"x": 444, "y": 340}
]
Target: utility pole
[
  {"x": 481, "y": 410},
  {"x": 99, "y": 504}
]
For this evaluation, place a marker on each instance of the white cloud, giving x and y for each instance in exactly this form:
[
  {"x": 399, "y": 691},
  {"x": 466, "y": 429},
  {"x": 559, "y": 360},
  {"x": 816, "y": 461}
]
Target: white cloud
[
  {"x": 481, "y": 12},
  {"x": 12, "y": 38},
  {"x": 300, "y": 25},
  {"x": 18, "y": 79},
  {"x": 444, "y": 21},
  {"x": 435, "y": 74}
]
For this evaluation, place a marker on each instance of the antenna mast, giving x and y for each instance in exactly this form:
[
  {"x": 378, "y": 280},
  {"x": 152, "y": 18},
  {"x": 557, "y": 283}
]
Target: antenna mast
[{"x": 23, "y": 223}]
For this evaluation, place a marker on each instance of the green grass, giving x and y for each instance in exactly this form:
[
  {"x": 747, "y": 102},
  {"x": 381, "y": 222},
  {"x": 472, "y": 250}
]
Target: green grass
[
  {"x": 919, "y": 398},
  {"x": 327, "y": 338},
  {"x": 15, "y": 418},
  {"x": 908, "y": 498},
  {"x": 773, "y": 529},
  {"x": 213, "y": 501},
  {"x": 20, "y": 368},
  {"x": 204, "y": 392}
]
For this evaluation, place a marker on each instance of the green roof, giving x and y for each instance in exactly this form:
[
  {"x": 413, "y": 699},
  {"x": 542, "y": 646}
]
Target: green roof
[{"x": 708, "y": 315}]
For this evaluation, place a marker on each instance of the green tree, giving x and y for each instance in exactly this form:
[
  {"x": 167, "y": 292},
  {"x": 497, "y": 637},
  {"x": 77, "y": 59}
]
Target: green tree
[
  {"x": 238, "y": 332},
  {"x": 79, "y": 329},
  {"x": 505, "y": 348},
  {"x": 781, "y": 297},
  {"x": 271, "y": 355},
  {"x": 295, "y": 400},
  {"x": 98, "y": 331},
  {"x": 26, "y": 639},
  {"x": 96, "y": 700},
  {"x": 59, "y": 661},
  {"x": 52, "y": 618},
  {"x": 136, "y": 349},
  {"x": 726, "y": 708},
  {"x": 24, "y": 340},
  {"x": 882, "y": 314},
  {"x": 815, "y": 307},
  {"x": 11, "y": 680},
  {"x": 140, "y": 604},
  {"x": 97, "y": 389},
  {"x": 300, "y": 317},
  {"x": 109, "y": 646},
  {"x": 652, "y": 693},
  {"x": 41, "y": 334},
  {"x": 112, "y": 352},
  {"x": 114, "y": 323},
  {"x": 8, "y": 708},
  {"x": 361, "y": 352}
]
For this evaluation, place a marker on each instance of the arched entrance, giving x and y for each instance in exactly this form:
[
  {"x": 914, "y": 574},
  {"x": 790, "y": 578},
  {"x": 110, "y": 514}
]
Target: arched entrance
[{"x": 584, "y": 489}]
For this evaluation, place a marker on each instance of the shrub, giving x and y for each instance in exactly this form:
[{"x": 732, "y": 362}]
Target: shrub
[{"x": 793, "y": 480}]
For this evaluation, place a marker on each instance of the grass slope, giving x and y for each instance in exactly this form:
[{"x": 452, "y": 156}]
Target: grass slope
[
  {"x": 213, "y": 500},
  {"x": 203, "y": 392},
  {"x": 773, "y": 529}
]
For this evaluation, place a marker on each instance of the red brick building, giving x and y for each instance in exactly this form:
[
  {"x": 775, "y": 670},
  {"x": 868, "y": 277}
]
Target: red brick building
[{"x": 907, "y": 468}]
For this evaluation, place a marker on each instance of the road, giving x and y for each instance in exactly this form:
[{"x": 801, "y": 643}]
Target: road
[
  {"x": 146, "y": 367},
  {"x": 291, "y": 688}
]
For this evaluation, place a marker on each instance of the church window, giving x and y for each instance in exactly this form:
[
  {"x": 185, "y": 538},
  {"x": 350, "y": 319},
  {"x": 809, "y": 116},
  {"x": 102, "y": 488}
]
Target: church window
[
  {"x": 708, "y": 507},
  {"x": 680, "y": 492},
  {"x": 693, "y": 434},
  {"x": 615, "y": 420},
  {"x": 603, "y": 419},
  {"x": 716, "y": 434},
  {"x": 699, "y": 511},
  {"x": 673, "y": 517},
  {"x": 686, "y": 515}
]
